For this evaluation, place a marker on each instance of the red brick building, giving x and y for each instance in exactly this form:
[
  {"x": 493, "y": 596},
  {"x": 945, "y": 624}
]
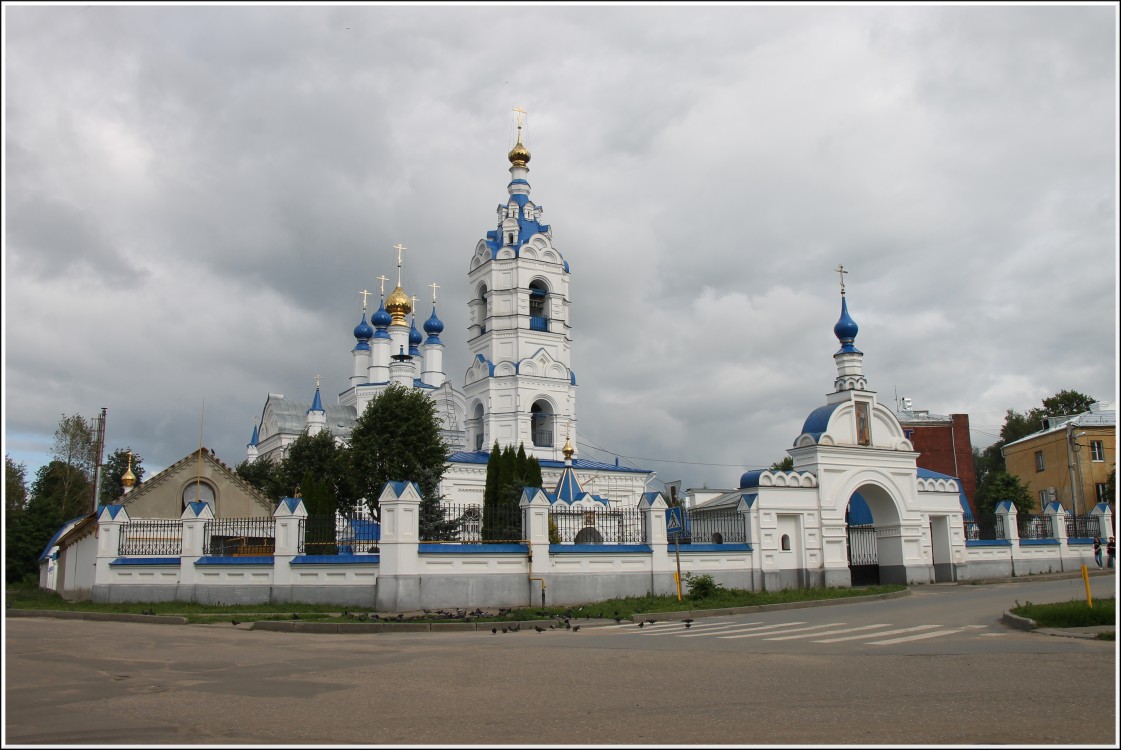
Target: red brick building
[{"x": 943, "y": 445}]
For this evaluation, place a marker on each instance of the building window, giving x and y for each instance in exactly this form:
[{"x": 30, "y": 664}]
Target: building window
[
  {"x": 1097, "y": 450},
  {"x": 1044, "y": 498},
  {"x": 1103, "y": 492},
  {"x": 198, "y": 492},
  {"x": 1039, "y": 460},
  {"x": 785, "y": 542}
]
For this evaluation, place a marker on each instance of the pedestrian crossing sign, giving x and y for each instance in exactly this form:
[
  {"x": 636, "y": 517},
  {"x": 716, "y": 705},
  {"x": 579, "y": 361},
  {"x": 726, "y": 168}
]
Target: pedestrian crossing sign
[{"x": 673, "y": 520}]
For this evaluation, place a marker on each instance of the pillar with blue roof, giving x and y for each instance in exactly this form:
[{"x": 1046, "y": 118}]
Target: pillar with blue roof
[
  {"x": 663, "y": 565},
  {"x": 288, "y": 538},
  {"x": 194, "y": 518},
  {"x": 110, "y": 519},
  {"x": 398, "y": 583}
]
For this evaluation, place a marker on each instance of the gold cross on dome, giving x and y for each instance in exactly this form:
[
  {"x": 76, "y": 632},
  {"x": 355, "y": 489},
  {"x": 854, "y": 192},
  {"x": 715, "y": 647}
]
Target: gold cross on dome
[
  {"x": 841, "y": 270},
  {"x": 364, "y": 294},
  {"x": 434, "y": 286},
  {"x": 317, "y": 382},
  {"x": 383, "y": 278},
  {"x": 520, "y": 113},
  {"x": 400, "y": 249}
]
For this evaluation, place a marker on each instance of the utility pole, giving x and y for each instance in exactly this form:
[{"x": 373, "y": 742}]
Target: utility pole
[{"x": 100, "y": 455}]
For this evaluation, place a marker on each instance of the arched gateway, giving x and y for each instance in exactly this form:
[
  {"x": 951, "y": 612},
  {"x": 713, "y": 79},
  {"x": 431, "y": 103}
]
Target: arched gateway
[{"x": 855, "y": 510}]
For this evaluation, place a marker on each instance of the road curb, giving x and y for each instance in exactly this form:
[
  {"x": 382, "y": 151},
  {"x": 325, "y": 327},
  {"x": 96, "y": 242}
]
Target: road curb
[
  {"x": 66, "y": 614},
  {"x": 1020, "y": 623}
]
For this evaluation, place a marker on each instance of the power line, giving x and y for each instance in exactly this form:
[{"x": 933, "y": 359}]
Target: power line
[{"x": 658, "y": 460}]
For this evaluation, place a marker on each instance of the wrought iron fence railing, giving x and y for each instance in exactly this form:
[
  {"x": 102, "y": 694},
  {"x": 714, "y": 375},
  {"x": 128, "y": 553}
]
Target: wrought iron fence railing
[
  {"x": 151, "y": 537},
  {"x": 1034, "y": 527},
  {"x": 710, "y": 527},
  {"x": 339, "y": 535},
  {"x": 985, "y": 528},
  {"x": 598, "y": 526},
  {"x": 1083, "y": 527},
  {"x": 235, "y": 537},
  {"x": 473, "y": 524}
]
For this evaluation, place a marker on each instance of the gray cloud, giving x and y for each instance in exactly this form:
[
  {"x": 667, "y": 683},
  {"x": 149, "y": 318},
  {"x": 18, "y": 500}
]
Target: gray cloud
[{"x": 196, "y": 195}]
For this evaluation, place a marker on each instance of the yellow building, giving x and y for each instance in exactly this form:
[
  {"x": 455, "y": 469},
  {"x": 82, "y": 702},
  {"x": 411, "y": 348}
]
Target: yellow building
[{"x": 1070, "y": 460}]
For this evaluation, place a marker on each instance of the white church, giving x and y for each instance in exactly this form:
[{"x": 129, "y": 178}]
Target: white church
[{"x": 519, "y": 387}]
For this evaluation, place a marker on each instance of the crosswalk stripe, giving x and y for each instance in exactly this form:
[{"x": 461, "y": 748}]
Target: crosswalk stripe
[
  {"x": 888, "y": 632},
  {"x": 920, "y": 636},
  {"x": 724, "y": 628},
  {"x": 829, "y": 632},
  {"x": 792, "y": 630}
]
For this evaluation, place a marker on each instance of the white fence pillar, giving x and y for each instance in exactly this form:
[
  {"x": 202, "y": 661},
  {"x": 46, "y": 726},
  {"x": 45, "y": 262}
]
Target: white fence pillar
[
  {"x": 663, "y": 565},
  {"x": 195, "y": 517},
  {"x": 1105, "y": 522},
  {"x": 398, "y": 585},
  {"x": 289, "y": 536},
  {"x": 535, "y": 514},
  {"x": 110, "y": 518}
]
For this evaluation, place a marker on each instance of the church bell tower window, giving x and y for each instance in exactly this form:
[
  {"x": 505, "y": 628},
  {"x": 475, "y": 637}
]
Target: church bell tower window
[{"x": 542, "y": 419}]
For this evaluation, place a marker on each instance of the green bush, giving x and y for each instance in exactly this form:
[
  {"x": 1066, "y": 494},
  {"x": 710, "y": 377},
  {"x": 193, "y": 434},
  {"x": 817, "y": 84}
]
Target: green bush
[{"x": 702, "y": 586}]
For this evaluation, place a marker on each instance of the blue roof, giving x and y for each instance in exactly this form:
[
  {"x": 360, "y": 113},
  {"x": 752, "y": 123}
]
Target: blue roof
[
  {"x": 317, "y": 403},
  {"x": 846, "y": 329},
  {"x": 568, "y": 486},
  {"x": 962, "y": 499},
  {"x": 54, "y": 539},
  {"x": 818, "y": 420}
]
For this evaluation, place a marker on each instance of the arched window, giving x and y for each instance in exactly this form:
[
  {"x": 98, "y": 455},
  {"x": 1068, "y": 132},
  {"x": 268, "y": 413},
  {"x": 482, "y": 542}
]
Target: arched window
[
  {"x": 538, "y": 296},
  {"x": 478, "y": 427},
  {"x": 541, "y": 416},
  {"x": 785, "y": 542},
  {"x": 199, "y": 491}
]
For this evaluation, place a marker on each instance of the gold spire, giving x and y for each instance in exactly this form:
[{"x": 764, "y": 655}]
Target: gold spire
[
  {"x": 397, "y": 304},
  {"x": 128, "y": 479},
  {"x": 519, "y": 155},
  {"x": 568, "y": 450}
]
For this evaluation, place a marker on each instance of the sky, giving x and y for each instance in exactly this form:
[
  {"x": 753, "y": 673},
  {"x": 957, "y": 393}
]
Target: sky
[{"x": 196, "y": 195}]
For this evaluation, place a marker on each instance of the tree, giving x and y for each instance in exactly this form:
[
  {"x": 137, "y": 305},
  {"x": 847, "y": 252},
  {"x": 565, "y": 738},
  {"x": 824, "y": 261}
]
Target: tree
[
  {"x": 999, "y": 486},
  {"x": 1067, "y": 403},
  {"x": 398, "y": 439},
  {"x": 508, "y": 474},
  {"x": 15, "y": 488},
  {"x": 114, "y": 468},
  {"x": 264, "y": 475},
  {"x": 323, "y": 460},
  {"x": 59, "y": 493},
  {"x": 786, "y": 464},
  {"x": 75, "y": 445},
  {"x": 15, "y": 508}
]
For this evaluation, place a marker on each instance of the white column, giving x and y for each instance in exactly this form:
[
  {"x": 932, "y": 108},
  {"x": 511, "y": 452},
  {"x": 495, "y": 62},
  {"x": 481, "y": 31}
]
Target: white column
[
  {"x": 398, "y": 585},
  {"x": 289, "y": 536},
  {"x": 663, "y": 563},
  {"x": 535, "y": 513},
  {"x": 195, "y": 517},
  {"x": 110, "y": 519}
]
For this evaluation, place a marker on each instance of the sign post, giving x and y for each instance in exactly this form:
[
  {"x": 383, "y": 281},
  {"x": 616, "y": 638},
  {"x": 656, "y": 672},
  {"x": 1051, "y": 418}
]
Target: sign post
[
  {"x": 1086, "y": 580},
  {"x": 675, "y": 526}
]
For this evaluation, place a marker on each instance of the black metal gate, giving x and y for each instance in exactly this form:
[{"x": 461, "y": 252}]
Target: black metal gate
[{"x": 864, "y": 560}]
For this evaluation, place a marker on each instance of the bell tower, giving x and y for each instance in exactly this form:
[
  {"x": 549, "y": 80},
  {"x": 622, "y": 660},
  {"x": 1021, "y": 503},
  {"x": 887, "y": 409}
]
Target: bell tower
[{"x": 519, "y": 387}]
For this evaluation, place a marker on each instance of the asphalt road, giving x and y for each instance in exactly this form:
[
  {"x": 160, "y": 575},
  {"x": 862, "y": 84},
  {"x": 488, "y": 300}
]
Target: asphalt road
[{"x": 839, "y": 674}]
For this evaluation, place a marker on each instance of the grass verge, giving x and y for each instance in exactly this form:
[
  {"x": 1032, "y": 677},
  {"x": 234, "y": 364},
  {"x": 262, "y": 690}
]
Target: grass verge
[
  {"x": 1072, "y": 614},
  {"x": 30, "y": 597}
]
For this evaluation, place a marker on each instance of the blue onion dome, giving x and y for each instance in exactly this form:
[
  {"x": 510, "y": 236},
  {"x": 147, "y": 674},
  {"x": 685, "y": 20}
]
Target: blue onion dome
[
  {"x": 846, "y": 328},
  {"x": 414, "y": 335},
  {"x": 433, "y": 326},
  {"x": 363, "y": 330},
  {"x": 381, "y": 318}
]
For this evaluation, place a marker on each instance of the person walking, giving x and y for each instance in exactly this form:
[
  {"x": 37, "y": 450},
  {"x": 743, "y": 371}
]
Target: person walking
[
  {"x": 1098, "y": 552},
  {"x": 1111, "y": 552}
]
